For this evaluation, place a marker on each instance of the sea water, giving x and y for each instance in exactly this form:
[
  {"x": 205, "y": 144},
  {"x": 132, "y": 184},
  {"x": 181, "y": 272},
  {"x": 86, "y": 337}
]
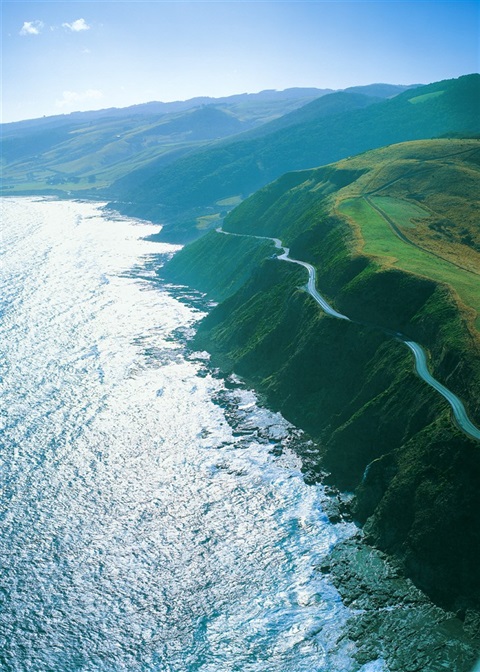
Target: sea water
[{"x": 152, "y": 515}]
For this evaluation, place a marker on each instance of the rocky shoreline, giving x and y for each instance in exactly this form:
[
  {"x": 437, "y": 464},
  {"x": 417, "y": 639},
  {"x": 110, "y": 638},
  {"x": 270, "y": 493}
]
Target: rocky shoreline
[{"x": 392, "y": 620}]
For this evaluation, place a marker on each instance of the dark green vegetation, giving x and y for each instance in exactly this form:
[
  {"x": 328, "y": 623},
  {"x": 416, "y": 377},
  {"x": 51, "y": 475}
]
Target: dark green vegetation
[
  {"x": 84, "y": 152},
  {"x": 325, "y": 130},
  {"x": 382, "y": 432},
  {"x": 244, "y": 256}
]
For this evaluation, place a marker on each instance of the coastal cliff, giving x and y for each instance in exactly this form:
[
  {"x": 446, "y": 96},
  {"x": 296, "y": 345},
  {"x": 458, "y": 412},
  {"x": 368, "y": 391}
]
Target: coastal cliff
[{"x": 380, "y": 431}]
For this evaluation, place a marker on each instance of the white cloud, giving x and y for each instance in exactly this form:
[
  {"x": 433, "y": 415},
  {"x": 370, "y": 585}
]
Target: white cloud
[
  {"x": 70, "y": 98},
  {"x": 31, "y": 28},
  {"x": 77, "y": 26}
]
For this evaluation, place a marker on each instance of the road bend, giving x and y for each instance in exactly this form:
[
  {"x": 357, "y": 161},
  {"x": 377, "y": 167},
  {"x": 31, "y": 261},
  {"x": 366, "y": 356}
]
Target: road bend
[{"x": 460, "y": 414}]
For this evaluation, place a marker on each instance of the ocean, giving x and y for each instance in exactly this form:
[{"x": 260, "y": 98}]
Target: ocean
[{"x": 153, "y": 514}]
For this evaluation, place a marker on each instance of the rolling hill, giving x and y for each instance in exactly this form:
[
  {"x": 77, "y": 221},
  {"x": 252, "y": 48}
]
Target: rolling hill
[
  {"x": 334, "y": 127},
  {"x": 85, "y": 151}
]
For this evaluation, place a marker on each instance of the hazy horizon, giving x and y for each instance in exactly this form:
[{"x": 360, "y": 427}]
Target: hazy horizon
[
  {"x": 61, "y": 57},
  {"x": 239, "y": 93}
]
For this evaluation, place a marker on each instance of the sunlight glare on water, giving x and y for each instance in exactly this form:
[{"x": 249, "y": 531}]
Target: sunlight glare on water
[{"x": 151, "y": 518}]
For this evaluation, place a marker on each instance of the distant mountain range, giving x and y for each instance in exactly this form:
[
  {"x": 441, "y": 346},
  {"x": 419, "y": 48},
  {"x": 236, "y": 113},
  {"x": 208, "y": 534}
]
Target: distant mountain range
[
  {"x": 248, "y": 100},
  {"x": 85, "y": 152}
]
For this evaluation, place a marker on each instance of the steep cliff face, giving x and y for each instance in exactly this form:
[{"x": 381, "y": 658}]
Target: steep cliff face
[
  {"x": 381, "y": 432},
  {"x": 217, "y": 264}
]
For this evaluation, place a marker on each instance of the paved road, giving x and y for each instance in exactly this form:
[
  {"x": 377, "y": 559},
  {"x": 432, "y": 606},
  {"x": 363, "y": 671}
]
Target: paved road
[
  {"x": 458, "y": 408},
  {"x": 311, "y": 285},
  {"x": 459, "y": 412}
]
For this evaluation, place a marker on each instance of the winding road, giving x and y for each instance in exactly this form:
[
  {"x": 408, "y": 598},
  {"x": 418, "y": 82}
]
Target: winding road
[
  {"x": 459, "y": 412},
  {"x": 458, "y": 409}
]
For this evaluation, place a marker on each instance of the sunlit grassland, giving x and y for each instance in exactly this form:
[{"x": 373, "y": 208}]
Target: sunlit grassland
[
  {"x": 402, "y": 212},
  {"x": 426, "y": 96},
  {"x": 233, "y": 200},
  {"x": 206, "y": 221},
  {"x": 377, "y": 239},
  {"x": 455, "y": 240}
]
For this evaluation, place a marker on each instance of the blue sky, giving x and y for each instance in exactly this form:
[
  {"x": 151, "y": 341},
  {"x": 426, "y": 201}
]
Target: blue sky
[{"x": 63, "y": 56}]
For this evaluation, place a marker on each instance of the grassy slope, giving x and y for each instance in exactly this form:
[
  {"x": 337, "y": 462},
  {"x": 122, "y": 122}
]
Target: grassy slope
[
  {"x": 440, "y": 237},
  {"x": 404, "y": 183},
  {"x": 351, "y": 386},
  {"x": 75, "y": 157},
  {"x": 380, "y": 242},
  {"x": 244, "y": 165}
]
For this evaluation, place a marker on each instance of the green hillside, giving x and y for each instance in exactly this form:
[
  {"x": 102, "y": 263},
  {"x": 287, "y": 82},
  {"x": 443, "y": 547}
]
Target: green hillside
[
  {"x": 413, "y": 206},
  {"x": 395, "y": 243},
  {"x": 90, "y": 157},
  {"x": 190, "y": 189},
  {"x": 86, "y": 151},
  {"x": 332, "y": 128}
]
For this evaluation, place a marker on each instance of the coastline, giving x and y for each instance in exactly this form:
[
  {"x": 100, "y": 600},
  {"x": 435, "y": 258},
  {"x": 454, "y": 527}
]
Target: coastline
[
  {"x": 388, "y": 611},
  {"x": 393, "y": 619}
]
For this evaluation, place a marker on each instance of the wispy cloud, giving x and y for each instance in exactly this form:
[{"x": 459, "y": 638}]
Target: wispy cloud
[
  {"x": 31, "y": 28},
  {"x": 70, "y": 98},
  {"x": 77, "y": 26}
]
